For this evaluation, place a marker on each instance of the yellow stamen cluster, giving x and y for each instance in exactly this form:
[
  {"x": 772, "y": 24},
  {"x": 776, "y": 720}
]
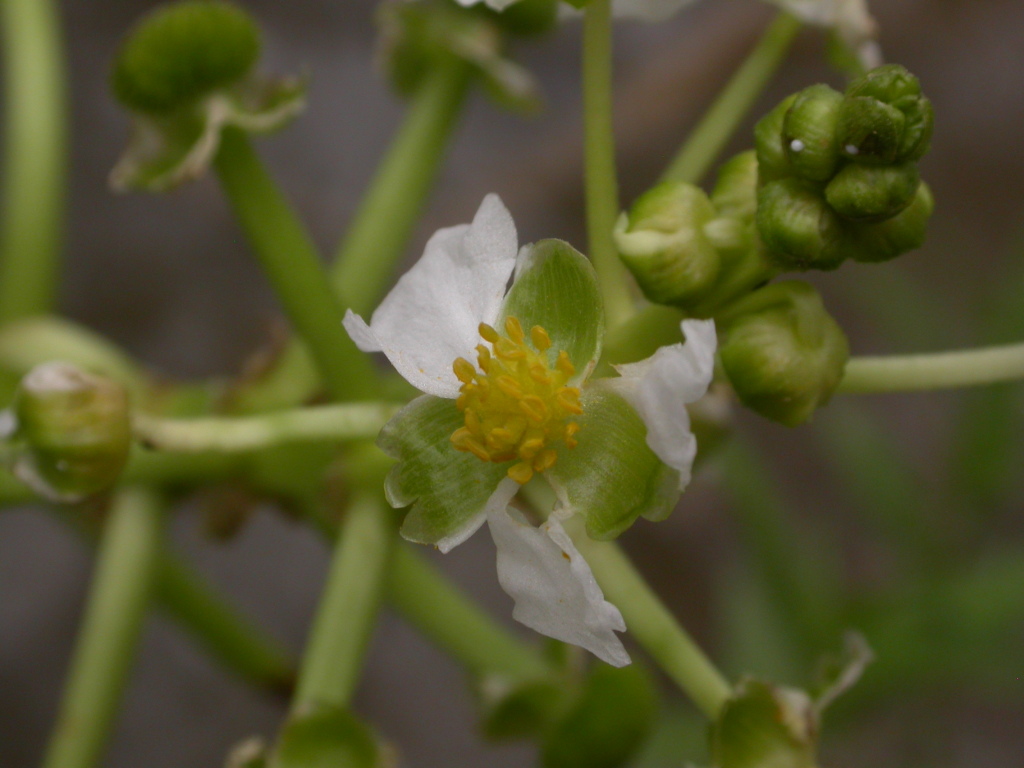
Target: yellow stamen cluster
[{"x": 516, "y": 405}]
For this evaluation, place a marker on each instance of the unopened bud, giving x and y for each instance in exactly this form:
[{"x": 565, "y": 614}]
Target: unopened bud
[
  {"x": 809, "y": 133},
  {"x": 735, "y": 192},
  {"x": 662, "y": 241},
  {"x": 906, "y": 231},
  {"x": 183, "y": 51},
  {"x": 74, "y": 431},
  {"x": 772, "y": 158},
  {"x": 885, "y": 118},
  {"x": 527, "y": 18},
  {"x": 872, "y": 192},
  {"x": 799, "y": 228},
  {"x": 783, "y": 352}
]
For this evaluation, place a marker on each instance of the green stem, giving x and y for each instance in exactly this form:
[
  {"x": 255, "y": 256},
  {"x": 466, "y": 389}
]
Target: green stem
[
  {"x": 717, "y": 126},
  {"x": 437, "y": 609},
  {"x": 119, "y": 595},
  {"x": 941, "y": 370},
  {"x": 290, "y": 261},
  {"x": 34, "y": 158},
  {"x": 378, "y": 233},
  {"x": 214, "y": 624},
  {"x": 334, "y": 423},
  {"x": 344, "y": 620},
  {"x": 651, "y": 623},
  {"x": 599, "y": 157}
]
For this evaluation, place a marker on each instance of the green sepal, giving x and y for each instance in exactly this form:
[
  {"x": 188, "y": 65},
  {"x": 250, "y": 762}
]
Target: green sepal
[
  {"x": 906, "y": 231},
  {"x": 870, "y": 131},
  {"x": 893, "y": 85},
  {"x": 555, "y": 287},
  {"x": 612, "y": 477},
  {"x": 772, "y": 158},
  {"x": 798, "y": 227},
  {"x": 519, "y": 709},
  {"x": 446, "y": 488},
  {"x": 609, "y": 722},
  {"x": 809, "y": 133},
  {"x": 782, "y": 351},
  {"x": 735, "y": 191},
  {"x": 418, "y": 37},
  {"x": 872, "y": 192},
  {"x": 167, "y": 150},
  {"x": 326, "y": 736},
  {"x": 181, "y": 52},
  {"x": 764, "y": 725}
]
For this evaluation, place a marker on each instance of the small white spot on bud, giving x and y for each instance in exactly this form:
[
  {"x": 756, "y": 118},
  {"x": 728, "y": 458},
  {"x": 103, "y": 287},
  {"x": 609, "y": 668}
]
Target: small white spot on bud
[
  {"x": 796, "y": 145},
  {"x": 851, "y": 149}
]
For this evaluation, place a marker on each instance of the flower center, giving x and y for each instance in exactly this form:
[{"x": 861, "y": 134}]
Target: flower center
[{"x": 517, "y": 405}]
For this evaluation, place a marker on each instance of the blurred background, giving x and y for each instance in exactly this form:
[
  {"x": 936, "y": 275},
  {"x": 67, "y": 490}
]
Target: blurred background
[{"x": 898, "y": 515}]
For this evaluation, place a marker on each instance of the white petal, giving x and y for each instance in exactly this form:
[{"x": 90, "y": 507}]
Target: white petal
[
  {"x": 497, "y": 5},
  {"x": 498, "y": 502},
  {"x": 661, "y": 386},
  {"x": 432, "y": 314},
  {"x": 647, "y": 10},
  {"x": 554, "y": 590}
]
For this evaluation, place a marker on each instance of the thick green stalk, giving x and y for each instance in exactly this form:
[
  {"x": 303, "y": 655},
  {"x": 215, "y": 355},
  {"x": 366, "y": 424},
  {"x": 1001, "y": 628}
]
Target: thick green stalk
[
  {"x": 601, "y": 181},
  {"x": 941, "y": 370},
  {"x": 436, "y": 608},
  {"x": 652, "y": 624},
  {"x": 34, "y": 158},
  {"x": 215, "y": 625},
  {"x": 293, "y": 267},
  {"x": 119, "y": 595},
  {"x": 719, "y": 123},
  {"x": 348, "y": 606},
  {"x": 378, "y": 233},
  {"x": 332, "y": 423}
]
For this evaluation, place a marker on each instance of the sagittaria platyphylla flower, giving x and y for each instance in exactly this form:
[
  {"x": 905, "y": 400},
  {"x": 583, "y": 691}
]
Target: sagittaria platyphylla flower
[{"x": 508, "y": 399}]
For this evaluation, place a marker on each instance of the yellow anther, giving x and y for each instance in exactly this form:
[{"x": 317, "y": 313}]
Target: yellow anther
[
  {"x": 521, "y": 472},
  {"x": 541, "y": 340},
  {"x": 464, "y": 370},
  {"x": 516, "y": 405},
  {"x": 488, "y": 333},
  {"x": 544, "y": 460},
  {"x": 564, "y": 364},
  {"x": 514, "y": 329}
]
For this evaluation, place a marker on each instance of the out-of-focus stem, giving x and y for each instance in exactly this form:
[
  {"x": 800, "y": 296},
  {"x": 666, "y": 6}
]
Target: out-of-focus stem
[
  {"x": 941, "y": 370},
  {"x": 34, "y": 157}
]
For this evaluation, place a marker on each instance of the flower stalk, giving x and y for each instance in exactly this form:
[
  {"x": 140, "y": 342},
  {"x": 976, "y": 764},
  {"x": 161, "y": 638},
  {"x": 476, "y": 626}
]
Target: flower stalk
[
  {"x": 600, "y": 177},
  {"x": 34, "y": 157},
  {"x": 334, "y": 423},
  {"x": 120, "y": 593},
  {"x": 334, "y": 654},
  {"x": 940, "y": 370},
  {"x": 719, "y": 123},
  {"x": 293, "y": 266}
]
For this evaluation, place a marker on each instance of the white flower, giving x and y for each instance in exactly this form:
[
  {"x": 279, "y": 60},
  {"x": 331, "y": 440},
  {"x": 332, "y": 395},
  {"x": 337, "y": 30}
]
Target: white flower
[
  {"x": 611, "y": 449},
  {"x": 849, "y": 18},
  {"x": 645, "y": 10}
]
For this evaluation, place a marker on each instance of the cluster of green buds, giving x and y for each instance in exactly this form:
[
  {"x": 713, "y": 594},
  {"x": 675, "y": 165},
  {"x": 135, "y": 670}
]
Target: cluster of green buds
[
  {"x": 694, "y": 251},
  {"x": 419, "y": 36},
  {"x": 186, "y": 72},
  {"x": 69, "y": 432},
  {"x": 838, "y": 172}
]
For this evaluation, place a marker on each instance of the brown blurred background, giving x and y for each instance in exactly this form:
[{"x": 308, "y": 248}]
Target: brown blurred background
[{"x": 171, "y": 280}]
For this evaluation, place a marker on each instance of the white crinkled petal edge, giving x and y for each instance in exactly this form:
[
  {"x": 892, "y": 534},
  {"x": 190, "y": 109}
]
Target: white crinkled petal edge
[
  {"x": 660, "y": 388},
  {"x": 850, "y": 19},
  {"x": 432, "y": 315},
  {"x": 554, "y": 590},
  {"x": 498, "y": 501}
]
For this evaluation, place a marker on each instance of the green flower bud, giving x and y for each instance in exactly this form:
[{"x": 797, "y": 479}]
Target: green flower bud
[
  {"x": 527, "y": 18},
  {"x": 183, "y": 51},
  {"x": 735, "y": 192},
  {"x": 885, "y": 118},
  {"x": 321, "y": 735},
  {"x": 798, "y": 227},
  {"x": 765, "y": 725},
  {"x": 772, "y": 158},
  {"x": 516, "y": 710},
  {"x": 74, "y": 431},
  {"x": 783, "y": 353},
  {"x": 893, "y": 237},
  {"x": 662, "y": 241},
  {"x": 809, "y": 133},
  {"x": 872, "y": 192}
]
